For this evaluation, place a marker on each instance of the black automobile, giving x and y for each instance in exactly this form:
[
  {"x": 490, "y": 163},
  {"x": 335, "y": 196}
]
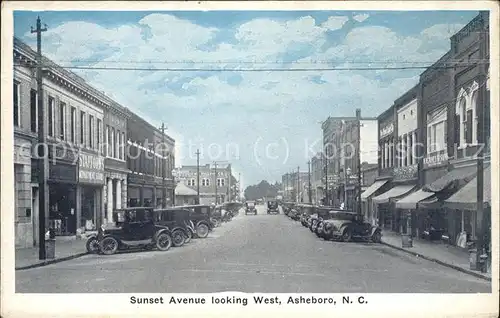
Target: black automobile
[
  {"x": 272, "y": 207},
  {"x": 348, "y": 226},
  {"x": 305, "y": 210},
  {"x": 133, "y": 228},
  {"x": 250, "y": 208},
  {"x": 179, "y": 222},
  {"x": 201, "y": 216},
  {"x": 316, "y": 219}
]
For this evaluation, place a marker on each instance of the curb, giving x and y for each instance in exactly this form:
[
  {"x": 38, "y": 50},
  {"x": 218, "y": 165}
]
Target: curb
[
  {"x": 52, "y": 261},
  {"x": 455, "y": 267}
]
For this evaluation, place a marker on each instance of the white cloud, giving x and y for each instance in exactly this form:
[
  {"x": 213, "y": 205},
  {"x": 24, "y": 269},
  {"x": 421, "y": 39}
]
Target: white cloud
[
  {"x": 161, "y": 37},
  {"x": 361, "y": 17}
]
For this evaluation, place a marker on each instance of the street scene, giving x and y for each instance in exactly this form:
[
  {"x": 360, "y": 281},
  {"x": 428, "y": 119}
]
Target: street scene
[
  {"x": 272, "y": 152},
  {"x": 253, "y": 253}
]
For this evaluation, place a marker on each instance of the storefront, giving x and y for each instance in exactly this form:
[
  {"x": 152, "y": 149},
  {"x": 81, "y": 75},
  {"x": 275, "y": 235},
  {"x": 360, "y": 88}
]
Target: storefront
[
  {"x": 389, "y": 218},
  {"x": 89, "y": 191},
  {"x": 366, "y": 200},
  {"x": 62, "y": 182},
  {"x": 185, "y": 195}
]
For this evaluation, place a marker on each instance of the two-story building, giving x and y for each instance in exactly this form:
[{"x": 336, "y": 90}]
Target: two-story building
[
  {"x": 73, "y": 133},
  {"x": 404, "y": 179},
  {"x": 216, "y": 184},
  {"x": 317, "y": 175},
  {"x": 151, "y": 160}
]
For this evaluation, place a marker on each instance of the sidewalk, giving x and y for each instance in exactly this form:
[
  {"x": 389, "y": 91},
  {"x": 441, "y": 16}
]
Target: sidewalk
[
  {"x": 66, "y": 248},
  {"x": 447, "y": 255}
]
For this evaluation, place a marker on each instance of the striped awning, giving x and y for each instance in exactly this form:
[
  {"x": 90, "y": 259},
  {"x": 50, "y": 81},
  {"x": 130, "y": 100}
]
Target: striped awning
[
  {"x": 395, "y": 192},
  {"x": 372, "y": 189},
  {"x": 411, "y": 200}
]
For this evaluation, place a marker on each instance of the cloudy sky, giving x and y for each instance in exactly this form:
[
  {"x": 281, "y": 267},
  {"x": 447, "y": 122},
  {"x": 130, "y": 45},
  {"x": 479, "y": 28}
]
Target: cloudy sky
[{"x": 220, "y": 79}]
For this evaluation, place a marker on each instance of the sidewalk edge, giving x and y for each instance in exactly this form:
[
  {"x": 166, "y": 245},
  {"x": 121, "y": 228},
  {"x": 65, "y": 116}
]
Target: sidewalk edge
[
  {"x": 52, "y": 261},
  {"x": 455, "y": 267}
]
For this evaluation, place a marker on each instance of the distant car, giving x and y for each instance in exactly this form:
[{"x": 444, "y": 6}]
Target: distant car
[
  {"x": 349, "y": 226},
  {"x": 202, "y": 218},
  {"x": 251, "y": 208},
  {"x": 133, "y": 228},
  {"x": 272, "y": 207}
]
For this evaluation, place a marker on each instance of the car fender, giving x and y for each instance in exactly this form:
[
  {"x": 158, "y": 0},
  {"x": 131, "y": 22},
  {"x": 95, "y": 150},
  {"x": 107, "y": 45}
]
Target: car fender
[
  {"x": 165, "y": 230},
  {"x": 179, "y": 228},
  {"x": 343, "y": 228},
  {"x": 203, "y": 222},
  {"x": 375, "y": 229}
]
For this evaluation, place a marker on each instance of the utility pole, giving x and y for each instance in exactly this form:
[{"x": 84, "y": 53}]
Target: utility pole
[
  {"x": 198, "y": 175},
  {"x": 285, "y": 187},
  {"x": 358, "y": 153},
  {"x": 229, "y": 185},
  {"x": 215, "y": 183},
  {"x": 298, "y": 183},
  {"x": 309, "y": 181},
  {"x": 163, "y": 168},
  {"x": 43, "y": 193},
  {"x": 239, "y": 186}
]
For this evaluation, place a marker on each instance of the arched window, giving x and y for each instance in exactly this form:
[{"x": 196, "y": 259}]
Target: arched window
[
  {"x": 459, "y": 125},
  {"x": 472, "y": 113}
]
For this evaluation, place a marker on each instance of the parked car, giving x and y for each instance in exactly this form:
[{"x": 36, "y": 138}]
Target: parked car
[
  {"x": 250, "y": 208},
  {"x": 348, "y": 226},
  {"x": 201, "y": 216},
  {"x": 133, "y": 228},
  {"x": 305, "y": 210},
  {"x": 315, "y": 219},
  {"x": 179, "y": 222},
  {"x": 287, "y": 206},
  {"x": 272, "y": 207}
]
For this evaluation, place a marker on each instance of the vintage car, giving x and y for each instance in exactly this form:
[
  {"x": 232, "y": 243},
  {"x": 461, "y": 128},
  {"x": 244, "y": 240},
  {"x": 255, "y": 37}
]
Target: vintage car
[
  {"x": 287, "y": 206},
  {"x": 133, "y": 228},
  {"x": 179, "y": 223},
  {"x": 315, "y": 220},
  {"x": 272, "y": 207},
  {"x": 201, "y": 216},
  {"x": 294, "y": 213},
  {"x": 349, "y": 226},
  {"x": 250, "y": 208},
  {"x": 306, "y": 210}
]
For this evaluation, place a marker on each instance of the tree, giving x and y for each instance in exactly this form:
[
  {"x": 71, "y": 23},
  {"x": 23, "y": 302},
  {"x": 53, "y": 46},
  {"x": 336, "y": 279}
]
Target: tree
[{"x": 261, "y": 190}]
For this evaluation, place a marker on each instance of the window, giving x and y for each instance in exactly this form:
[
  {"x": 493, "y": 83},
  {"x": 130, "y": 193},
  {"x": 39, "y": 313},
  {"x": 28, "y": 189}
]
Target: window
[
  {"x": 205, "y": 182},
  {"x": 473, "y": 115},
  {"x": 73, "y": 126},
  {"x": 82, "y": 127},
  {"x": 112, "y": 144},
  {"x": 34, "y": 110},
  {"x": 91, "y": 131},
  {"x": 220, "y": 182},
  {"x": 99, "y": 131},
  {"x": 16, "y": 104},
  {"x": 468, "y": 127},
  {"x": 191, "y": 182},
  {"x": 62, "y": 121},
  {"x": 50, "y": 115},
  {"x": 123, "y": 146},
  {"x": 108, "y": 143},
  {"x": 117, "y": 146}
]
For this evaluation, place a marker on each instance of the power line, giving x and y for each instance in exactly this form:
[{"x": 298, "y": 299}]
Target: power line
[{"x": 387, "y": 68}]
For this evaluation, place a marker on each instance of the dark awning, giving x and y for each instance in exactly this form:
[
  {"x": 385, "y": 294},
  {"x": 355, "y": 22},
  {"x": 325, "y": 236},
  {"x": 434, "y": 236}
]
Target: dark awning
[
  {"x": 395, "y": 192},
  {"x": 411, "y": 200},
  {"x": 372, "y": 189},
  {"x": 451, "y": 179},
  {"x": 466, "y": 198}
]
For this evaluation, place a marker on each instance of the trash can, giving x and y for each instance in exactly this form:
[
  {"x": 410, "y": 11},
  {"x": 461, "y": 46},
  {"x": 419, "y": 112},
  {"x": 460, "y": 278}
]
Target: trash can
[
  {"x": 50, "y": 249},
  {"x": 406, "y": 241},
  {"x": 483, "y": 263},
  {"x": 473, "y": 258}
]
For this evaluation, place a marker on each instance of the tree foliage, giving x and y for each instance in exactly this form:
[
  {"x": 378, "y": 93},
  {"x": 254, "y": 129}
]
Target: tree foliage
[{"x": 262, "y": 190}]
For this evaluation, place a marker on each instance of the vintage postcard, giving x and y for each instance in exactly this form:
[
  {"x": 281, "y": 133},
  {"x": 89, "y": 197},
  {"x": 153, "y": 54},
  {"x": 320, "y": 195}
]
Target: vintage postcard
[{"x": 247, "y": 158}]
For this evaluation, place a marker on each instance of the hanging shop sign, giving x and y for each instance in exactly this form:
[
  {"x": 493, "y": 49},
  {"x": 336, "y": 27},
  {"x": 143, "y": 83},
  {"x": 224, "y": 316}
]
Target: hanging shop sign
[{"x": 387, "y": 130}]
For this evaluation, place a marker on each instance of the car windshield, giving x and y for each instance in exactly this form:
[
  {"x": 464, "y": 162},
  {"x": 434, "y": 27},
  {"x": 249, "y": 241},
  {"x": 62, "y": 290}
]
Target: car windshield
[{"x": 251, "y": 204}]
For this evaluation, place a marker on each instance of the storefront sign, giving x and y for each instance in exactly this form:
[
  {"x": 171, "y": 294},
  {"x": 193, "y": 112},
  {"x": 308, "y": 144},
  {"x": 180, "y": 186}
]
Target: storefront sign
[
  {"x": 387, "y": 130},
  {"x": 436, "y": 160},
  {"x": 62, "y": 173},
  {"x": 91, "y": 168}
]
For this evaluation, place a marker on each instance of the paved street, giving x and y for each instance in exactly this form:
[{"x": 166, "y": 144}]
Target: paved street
[{"x": 263, "y": 253}]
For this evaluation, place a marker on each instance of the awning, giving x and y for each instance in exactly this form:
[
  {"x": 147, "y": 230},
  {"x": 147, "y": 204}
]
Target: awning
[
  {"x": 183, "y": 190},
  {"x": 372, "y": 189},
  {"x": 466, "y": 198},
  {"x": 451, "y": 178},
  {"x": 395, "y": 192},
  {"x": 411, "y": 200}
]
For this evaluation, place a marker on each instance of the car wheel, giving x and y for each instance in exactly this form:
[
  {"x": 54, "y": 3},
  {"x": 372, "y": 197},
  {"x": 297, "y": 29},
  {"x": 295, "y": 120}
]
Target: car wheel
[
  {"x": 377, "y": 237},
  {"x": 347, "y": 235},
  {"x": 178, "y": 238},
  {"x": 189, "y": 235},
  {"x": 202, "y": 230},
  {"x": 109, "y": 245},
  {"x": 92, "y": 245},
  {"x": 163, "y": 242}
]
